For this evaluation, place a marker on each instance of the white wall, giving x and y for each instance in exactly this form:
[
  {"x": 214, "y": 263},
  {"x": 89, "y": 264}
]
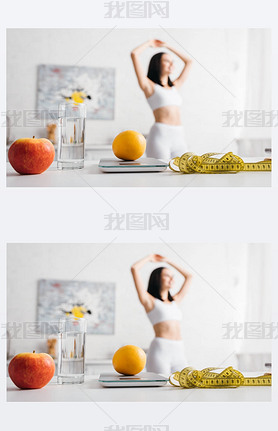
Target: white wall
[
  {"x": 220, "y": 61},
  {"x": 222, "y": 268}
]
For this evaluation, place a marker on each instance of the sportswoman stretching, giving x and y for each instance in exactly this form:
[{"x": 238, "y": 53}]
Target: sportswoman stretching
[
  {"x": 166, "y": 352},
  {"x": 166, "y": 138}
]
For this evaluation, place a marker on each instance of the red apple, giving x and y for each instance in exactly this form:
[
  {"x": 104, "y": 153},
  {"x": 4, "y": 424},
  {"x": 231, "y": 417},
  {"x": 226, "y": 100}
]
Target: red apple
[
  {"x": 31, "y": 370},
  {"x": 31, "y": 156}
]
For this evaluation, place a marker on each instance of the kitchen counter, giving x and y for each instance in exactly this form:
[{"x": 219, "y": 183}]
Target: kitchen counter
[
  {"x": 91, "y": 176},
  {"x": 91, "y": 390}
]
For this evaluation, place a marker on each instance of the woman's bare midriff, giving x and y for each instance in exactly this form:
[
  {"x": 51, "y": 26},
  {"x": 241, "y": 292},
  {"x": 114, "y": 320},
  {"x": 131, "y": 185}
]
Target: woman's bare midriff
[
  {"x": 168, "y": 115},
  {"x": 169, "y": 329}
]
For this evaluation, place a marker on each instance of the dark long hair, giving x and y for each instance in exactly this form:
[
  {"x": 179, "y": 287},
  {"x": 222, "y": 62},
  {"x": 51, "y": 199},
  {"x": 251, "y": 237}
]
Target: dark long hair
[
  {"x": 154, "y": 285},
  {"x": 155, "y": 69}
]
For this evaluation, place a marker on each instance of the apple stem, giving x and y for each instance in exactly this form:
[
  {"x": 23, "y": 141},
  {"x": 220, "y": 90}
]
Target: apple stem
[{"x": 34, "y": 351}]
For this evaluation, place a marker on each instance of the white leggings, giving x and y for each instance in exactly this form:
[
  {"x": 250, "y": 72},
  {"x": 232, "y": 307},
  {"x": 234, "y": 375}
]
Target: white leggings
[
  {"x": 165, "y": 142},
  {"x": 166, "y": 356}
]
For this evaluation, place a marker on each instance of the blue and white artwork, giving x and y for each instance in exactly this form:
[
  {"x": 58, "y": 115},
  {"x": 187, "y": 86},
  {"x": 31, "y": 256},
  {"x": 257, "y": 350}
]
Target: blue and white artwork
[
  {"x": 95, "y": 301},
  {"x": 93, "y": 86}
]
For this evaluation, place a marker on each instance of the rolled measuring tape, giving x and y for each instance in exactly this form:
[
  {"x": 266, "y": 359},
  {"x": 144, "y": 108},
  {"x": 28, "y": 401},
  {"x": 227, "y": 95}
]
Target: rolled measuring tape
[
  {"x": 207, "y": 378},
  {"x": 215, "y": 163}
]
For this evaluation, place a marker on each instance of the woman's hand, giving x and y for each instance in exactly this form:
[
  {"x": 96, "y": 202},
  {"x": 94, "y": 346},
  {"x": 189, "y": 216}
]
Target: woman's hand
[
  {"x": 157, "y": 258},
  {"x": 150, "y": 258},
  {"x": 156, "y": 43}
]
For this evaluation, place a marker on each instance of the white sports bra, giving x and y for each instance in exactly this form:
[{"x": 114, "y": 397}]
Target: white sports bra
[
  {"x": 164, "y": 97},
  {"x": 164, "y": 311}
]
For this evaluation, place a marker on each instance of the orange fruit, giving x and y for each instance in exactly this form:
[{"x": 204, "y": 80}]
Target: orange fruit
[
  {"x": 129, "y": 145},
  {"x": 129, "y": 360}
]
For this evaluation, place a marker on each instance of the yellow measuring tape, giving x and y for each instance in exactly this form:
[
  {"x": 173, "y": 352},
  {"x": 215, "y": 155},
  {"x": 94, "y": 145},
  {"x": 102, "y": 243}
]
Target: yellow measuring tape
[
  {"x": 207, "y": 378},
  {"x": 215, "y": 163}
]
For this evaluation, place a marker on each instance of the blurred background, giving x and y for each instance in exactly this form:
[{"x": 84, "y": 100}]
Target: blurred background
[
  {"x": 225, "y": 97},
  {"x": 226, "y": 313}
]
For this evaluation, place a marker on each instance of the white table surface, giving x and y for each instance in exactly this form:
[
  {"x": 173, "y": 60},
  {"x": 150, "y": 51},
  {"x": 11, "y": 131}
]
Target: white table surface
[
  {"x": 91, "y": 176},
  {"x": 91, "y": 390}
]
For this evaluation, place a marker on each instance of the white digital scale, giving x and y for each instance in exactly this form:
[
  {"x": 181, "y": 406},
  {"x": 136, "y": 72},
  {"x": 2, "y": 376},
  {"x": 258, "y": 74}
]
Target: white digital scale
[
  {"x": 113, "y": 380},
  {"x": 140, "y": 165}
]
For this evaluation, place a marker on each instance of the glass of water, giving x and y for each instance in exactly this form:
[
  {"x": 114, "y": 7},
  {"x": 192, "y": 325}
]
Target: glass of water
[
  {"x": 71, "y": 140},
  {"x": 71, "y": 350}
]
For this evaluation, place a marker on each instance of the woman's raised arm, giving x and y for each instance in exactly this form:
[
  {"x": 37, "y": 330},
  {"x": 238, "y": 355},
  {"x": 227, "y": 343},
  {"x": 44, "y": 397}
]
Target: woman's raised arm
[
  {"x": 187, "y": 64},
  {"x": 144, "y": 82},
  {"x": 144, "y": 297},
  {"x": 187, "y": 280}
]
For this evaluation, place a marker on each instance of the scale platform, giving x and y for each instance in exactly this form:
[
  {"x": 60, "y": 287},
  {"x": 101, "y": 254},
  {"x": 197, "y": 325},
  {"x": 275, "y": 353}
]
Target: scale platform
[
  {"x": 113, "y": 380},
  {"x": 141, "y": 165}
]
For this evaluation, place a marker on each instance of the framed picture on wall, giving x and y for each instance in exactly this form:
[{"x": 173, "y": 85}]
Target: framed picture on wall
[
  {"x": 95, "y": 301},
  {"x": 93, "y": 86}
]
